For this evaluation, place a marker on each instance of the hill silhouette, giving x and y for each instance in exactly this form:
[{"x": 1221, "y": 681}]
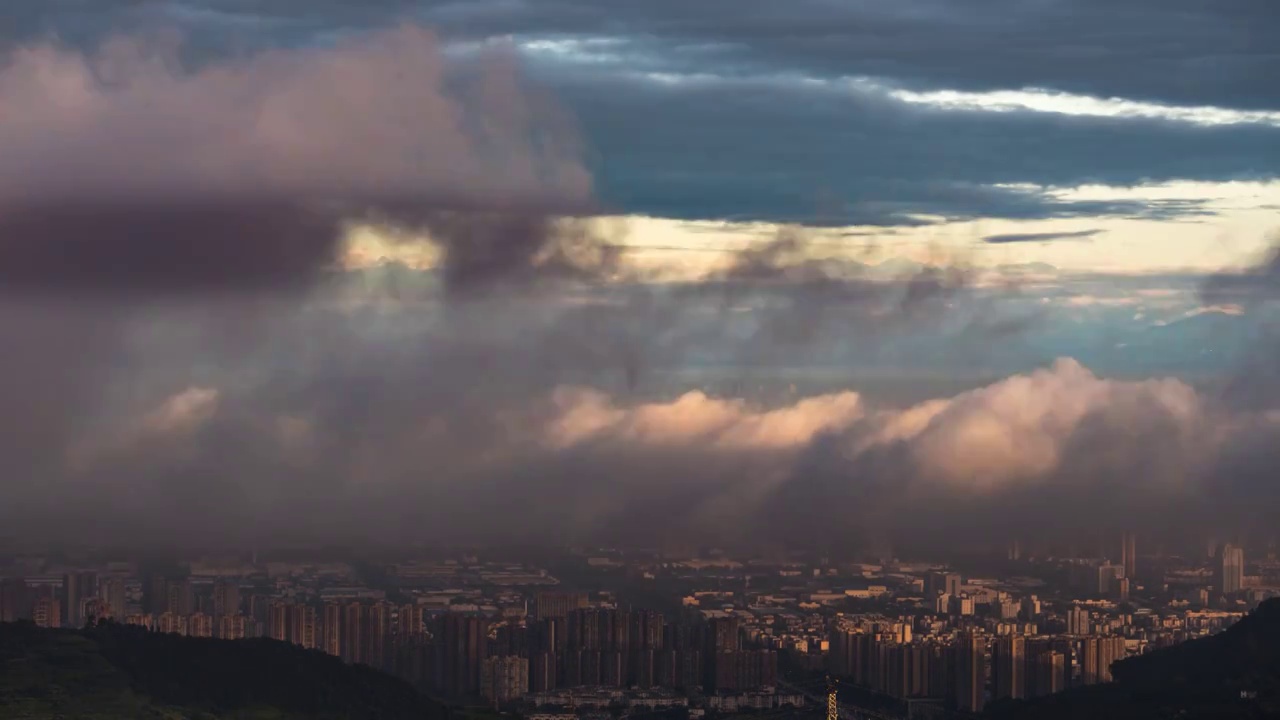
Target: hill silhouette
[
  {"x": 112, "y": 672},
  {"x": 1234, "y": 674}
]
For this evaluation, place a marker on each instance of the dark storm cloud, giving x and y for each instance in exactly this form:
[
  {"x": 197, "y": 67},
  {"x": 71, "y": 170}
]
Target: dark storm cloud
[{"x": 1041, "y": 237}]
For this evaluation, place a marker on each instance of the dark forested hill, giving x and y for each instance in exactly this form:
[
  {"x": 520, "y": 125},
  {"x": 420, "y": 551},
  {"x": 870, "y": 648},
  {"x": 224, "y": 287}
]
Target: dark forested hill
[
  {"x": 1234, "y": 674},
  {"x": 113, "y": 672}
]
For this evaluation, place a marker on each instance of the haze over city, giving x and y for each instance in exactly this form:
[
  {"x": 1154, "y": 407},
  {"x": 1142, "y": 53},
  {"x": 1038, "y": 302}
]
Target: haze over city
[{"x": 583, "y": 271}]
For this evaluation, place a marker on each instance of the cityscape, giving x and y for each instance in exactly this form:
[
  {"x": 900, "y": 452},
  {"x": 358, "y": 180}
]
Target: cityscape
[
  {"x": 585, "y": 632},
  {"x": 639, "y": 360}
]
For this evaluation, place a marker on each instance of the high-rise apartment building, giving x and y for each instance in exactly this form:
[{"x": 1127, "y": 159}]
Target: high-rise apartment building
[
  {"x": 409, "y": 621},
  {"x": 171, "y": 623},
  {"x": 179, "y": 599},
  {"x": 95, "y": 610},
  {"x": 461, "y": 645},
  {"x": 15, "y": 600},
  {"x": 302, "y": 625},
  {"x": 543, "y": 674},
  {"x": 1010, "y": 660},
  {"x": 47, "y": 611},
  {"x": 77, "y": 588},
  {"x": 1106, "y": 652},
  {"x": 142, "y": 620},
  {"x": 353, "y": 633},
  {"x": 1089, "y": 661},
  {"x": 1120, "y": 591},
  {"x": 1108, "y": 576},
  {"x": 226, "y": 597},
  {"x": 200, "y": 625},
  {"x": 504, "y": 679},
  {"x": 1030, "y": 609},
  {"x": 1129, "y": 555},
  {"x": 377, "y": 634},
  {"x": 725, "y": 634},
  {"x": 647, "y": 630},
  {"x": 554, "y": 604},
  {"x": 841, "y": 654},
  {"x": 232, "y": 627},
  {"x": 938, "y": 583},
  {"x": 331, "y": 635},
  {"x": 155, "y": 599},
  {"x": 970, "y": 673},
  {"x": 1078, "y": 621},
  {"x": 1051, "y": 667},
  {"x": 1230, "y": 569},
  {"x": 112, "y": 590},
  {"x": 278, "y": 621}
]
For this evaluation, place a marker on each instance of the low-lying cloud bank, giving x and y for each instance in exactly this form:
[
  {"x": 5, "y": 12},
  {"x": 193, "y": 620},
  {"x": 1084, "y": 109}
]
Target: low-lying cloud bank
[{"x": 1058, "y": 452}]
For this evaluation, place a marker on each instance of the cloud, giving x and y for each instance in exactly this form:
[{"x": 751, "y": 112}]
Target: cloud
[
  {"x": 182, "y": 412},
  {"x": 1059, "y": 447},
  {"x": 857, "y": 158},
  {"x": 1041, "y": 237},
  {"x": 1071, "y": 105},
  {"x": 335, "y": 391},
  {"x": 1017, "y": 430},
  {"x": 123, "y": 170},
  {"x": 1230, "y": 310},
  {"x": 208, "y": 276},
  {"x": 866, "y": 98},
  {"x": 1254, "y": 381},
  {"x": 167, "y": 425},
  {"x": 1257, "y": 284},
  {"x": 572, "y": 415},
  {"x": 1005, "y": 45},
  {"x": 695, "y": 418},
  {"x": 171, "y": 215},
  {"x": 1092, "y": 300},
  {"x": 1180, "y": 53}
]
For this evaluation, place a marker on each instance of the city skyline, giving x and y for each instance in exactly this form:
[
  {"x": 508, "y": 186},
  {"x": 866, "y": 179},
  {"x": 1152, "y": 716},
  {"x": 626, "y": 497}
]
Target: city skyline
[
  {"x": 639, "y": 359},
  {"x": 590, "y": 628}
]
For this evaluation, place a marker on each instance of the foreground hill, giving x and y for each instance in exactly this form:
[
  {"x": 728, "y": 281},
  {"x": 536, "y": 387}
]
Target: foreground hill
[
  {"x": 113, "y": 672},
  {"x": 1234, "y": 674}
]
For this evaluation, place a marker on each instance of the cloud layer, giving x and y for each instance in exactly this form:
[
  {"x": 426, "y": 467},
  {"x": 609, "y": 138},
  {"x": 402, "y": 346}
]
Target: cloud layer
[
  {"x": 1182, "y": 52},
  {"x": 831, "y": 112},
  {"x": 188, "y": 363},
  {"x": 1058, "y": 452},
  {"x": 122, "y": 169}
]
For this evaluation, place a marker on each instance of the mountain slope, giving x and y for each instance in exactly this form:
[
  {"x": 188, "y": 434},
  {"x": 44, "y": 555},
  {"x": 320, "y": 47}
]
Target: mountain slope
[
  {"x": 1198, "y": 679},
  {"x": 113, "y": 672}
]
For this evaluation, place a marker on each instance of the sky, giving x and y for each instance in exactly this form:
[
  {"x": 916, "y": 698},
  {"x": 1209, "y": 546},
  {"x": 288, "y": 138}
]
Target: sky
[{"x": 568, "y": 270}]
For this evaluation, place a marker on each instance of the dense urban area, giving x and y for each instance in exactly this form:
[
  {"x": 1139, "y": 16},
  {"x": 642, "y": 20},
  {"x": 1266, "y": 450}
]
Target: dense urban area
[{"x": 592, "y": 633}]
